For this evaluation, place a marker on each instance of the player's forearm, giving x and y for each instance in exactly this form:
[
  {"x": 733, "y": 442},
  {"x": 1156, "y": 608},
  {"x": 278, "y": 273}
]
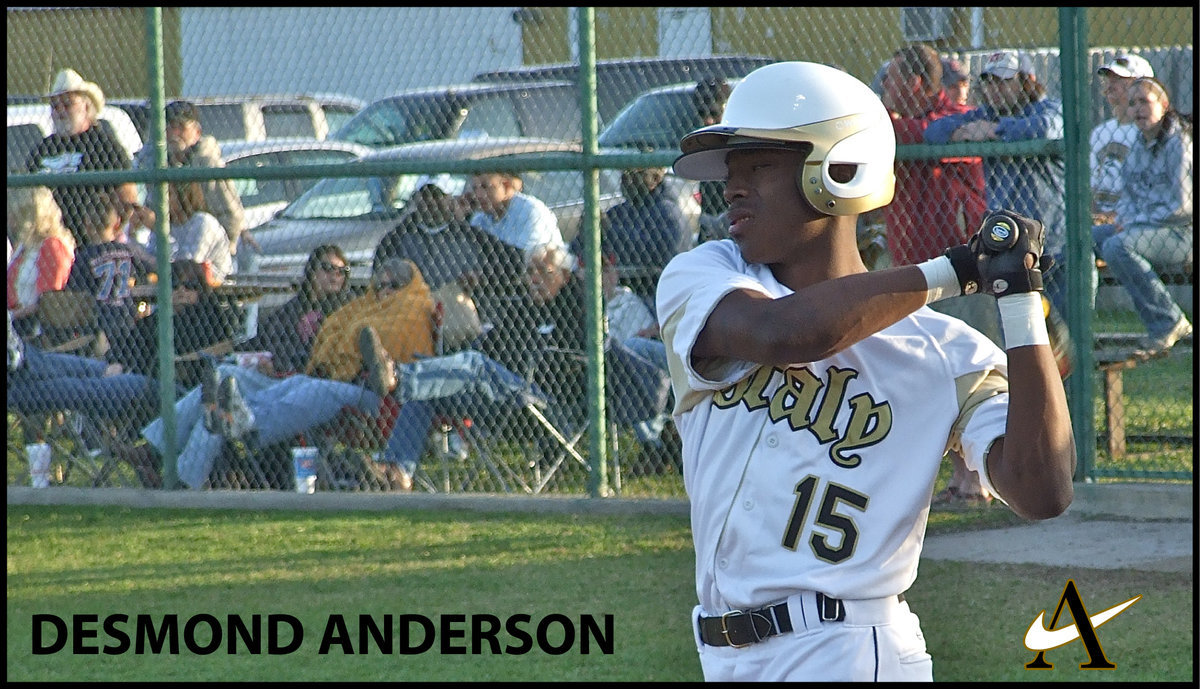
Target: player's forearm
[
  {"x": 813, "y": 323},
  {"x": 1032, "y": 467}
]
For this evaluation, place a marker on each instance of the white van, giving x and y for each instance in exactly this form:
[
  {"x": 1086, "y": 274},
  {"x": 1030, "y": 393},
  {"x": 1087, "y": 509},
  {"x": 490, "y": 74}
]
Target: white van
[{"x": 29, "y": 123}]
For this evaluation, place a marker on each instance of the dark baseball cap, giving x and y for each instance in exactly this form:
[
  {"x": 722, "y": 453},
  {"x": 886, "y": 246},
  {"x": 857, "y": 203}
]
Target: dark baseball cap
[{"x": 181, "y": 111}]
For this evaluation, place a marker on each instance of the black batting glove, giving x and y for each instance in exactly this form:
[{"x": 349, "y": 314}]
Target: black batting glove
[
  {"x": 1001, "y": 249},
  {"x": 966, "y": 267}
]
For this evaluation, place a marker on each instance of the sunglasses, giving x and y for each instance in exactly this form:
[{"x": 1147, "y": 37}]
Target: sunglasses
[
  {"x": 392, "y": 284},
  {"x": 331, "y": 268}
]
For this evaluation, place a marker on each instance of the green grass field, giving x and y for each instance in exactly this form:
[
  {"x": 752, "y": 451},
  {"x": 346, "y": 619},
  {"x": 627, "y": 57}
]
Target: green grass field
[{"x": 313, "y": 565}]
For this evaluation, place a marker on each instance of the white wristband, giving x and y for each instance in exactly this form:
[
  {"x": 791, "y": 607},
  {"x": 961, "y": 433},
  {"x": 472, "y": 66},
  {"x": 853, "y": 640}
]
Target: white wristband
[
  {"x": 940, "y": 278},
  {"x": 1023, "y": 319}
]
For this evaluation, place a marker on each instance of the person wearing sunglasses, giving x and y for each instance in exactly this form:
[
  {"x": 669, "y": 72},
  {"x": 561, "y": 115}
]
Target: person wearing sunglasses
[{"x": 288, "y": 332}]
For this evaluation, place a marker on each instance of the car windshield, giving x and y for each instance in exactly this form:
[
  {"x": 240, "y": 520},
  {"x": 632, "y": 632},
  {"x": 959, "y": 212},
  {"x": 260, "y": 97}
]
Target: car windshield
[
  {"x": 359, "y": 196},
  {"x": 351, "y": 197},
  {"x": 403, "y": 120},
  {"x": 659, "y": 120}
]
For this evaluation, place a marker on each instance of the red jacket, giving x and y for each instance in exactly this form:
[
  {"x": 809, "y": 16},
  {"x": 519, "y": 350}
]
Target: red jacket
[{"x": 938, "y": 203}]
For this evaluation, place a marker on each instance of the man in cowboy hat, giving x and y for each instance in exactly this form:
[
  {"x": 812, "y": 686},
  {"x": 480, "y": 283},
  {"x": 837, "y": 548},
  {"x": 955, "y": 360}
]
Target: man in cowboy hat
[{"x": 78, "y": 144}]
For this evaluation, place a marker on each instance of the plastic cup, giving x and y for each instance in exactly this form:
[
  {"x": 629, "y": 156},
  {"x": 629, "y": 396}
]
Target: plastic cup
[
  {"x": 304, "y": 462},
  {"x": 39, "y": 464}
]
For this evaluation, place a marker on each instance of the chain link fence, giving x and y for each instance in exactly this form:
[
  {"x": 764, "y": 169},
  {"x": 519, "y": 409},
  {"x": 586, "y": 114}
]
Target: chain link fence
[{"x": 360, "y": 170}]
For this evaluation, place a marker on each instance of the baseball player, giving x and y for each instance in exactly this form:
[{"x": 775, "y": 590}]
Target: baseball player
[{"x": 816, "y": 399}]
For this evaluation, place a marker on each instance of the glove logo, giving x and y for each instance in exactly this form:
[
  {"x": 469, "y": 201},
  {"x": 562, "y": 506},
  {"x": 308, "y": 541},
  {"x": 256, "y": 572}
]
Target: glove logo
[{"x": 1001, "y": 232}]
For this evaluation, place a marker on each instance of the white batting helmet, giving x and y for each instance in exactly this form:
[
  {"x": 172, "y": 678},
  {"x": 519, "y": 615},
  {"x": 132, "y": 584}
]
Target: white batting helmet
[{"x": 786, "y": 103}]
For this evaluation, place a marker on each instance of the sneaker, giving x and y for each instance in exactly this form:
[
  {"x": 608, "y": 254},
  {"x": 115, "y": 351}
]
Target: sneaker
[
  {"x": 381, "y": 370},
  {"x": 236, "y": 419},
  {"x": 209, "y": 382},
  {"x": 1154, "y": 346}
]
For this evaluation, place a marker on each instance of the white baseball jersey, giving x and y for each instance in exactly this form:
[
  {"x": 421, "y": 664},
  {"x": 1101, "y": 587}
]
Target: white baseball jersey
[{"x": 818, "y": 476}]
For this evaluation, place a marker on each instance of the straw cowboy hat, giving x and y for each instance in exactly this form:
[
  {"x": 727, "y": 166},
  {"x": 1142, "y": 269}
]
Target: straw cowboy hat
[{"x": 69, "y": 81}]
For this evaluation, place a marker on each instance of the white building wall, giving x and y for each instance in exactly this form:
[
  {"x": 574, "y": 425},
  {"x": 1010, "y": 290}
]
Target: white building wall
[{"x": 359, "y": 51}]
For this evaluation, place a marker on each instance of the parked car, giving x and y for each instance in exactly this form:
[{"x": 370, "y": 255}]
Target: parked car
[
  {"x": 356, "y": 212},
  {"x": 657, "y": 119},
  {"x": 619, "y": 81},
  {"x": 258, "y": 117},
  {"x": 263, "y": 198},
  {"x": 545, "y": 109},
  {"x": 28, "y": 124}
]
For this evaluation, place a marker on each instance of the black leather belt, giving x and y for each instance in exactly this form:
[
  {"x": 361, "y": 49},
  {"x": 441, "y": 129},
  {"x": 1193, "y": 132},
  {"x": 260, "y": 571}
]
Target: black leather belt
[{"x": 744, "y": 627}]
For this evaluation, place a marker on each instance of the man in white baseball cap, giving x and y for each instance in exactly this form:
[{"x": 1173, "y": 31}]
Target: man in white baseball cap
[
  {"x": 1006, "y": 64},
  {"x": 78, "y": 143},
  {"x": 1110, "y": 140}
]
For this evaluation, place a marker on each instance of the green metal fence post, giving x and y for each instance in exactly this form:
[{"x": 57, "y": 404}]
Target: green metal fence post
[
  {"x": 164, "y": 308},
  {"x": 1073, "y": 52},
  {"x": 590, "y": 229}
]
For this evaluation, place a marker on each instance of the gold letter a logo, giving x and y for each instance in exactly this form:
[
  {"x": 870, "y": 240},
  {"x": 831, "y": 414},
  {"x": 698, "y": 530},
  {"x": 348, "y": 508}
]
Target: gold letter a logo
[{"x": 1040, "y": 639}]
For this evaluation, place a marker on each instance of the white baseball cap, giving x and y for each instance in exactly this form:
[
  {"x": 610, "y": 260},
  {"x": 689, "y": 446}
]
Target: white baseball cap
[
  {"x": 69, "y": 81},
  {"x": 1006, "y": 64},
  {"x": 1129, "y": 66}
]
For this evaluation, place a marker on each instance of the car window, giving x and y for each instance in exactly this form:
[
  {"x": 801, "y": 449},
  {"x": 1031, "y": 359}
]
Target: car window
[
  {"x": 659, "y": 120},
  {"x": 490, "y": 116},
  {"x": 289, "y": 121},
  {"x": 22, "y": 139},
  {"x": 339, "y": 115},
  {"x": 551, "y": 113},
  {"x": 403, "y": 120},
  {"x": 223, "y": 121}
]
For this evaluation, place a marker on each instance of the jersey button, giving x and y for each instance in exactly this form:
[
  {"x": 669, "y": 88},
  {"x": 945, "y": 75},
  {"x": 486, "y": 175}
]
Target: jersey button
[
  {"x": 722, "y": 563},
  {"x": 748, "y": 505},
  {"x": 772, "y": 441}
]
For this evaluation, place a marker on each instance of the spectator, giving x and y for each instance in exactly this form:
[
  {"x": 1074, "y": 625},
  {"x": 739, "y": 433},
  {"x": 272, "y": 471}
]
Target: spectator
[
  {"x": 1015, "y": 108},
  {"x": 1154, "y": 223},
  {"x": 195, "y": 234},
  {"x": 77, "y": 144},
  {"x": 234, "y": 402},
  {"x": 484, "y": 385},
  {"x": 709, "y": 99},
  {"x": 202, "y": 321},
  {"x": 646, "y": 229},
  {"x": 515, "y": 218},
  {"x": 938, "y": 203},
  {"x": 188, "y": 146},
  {"x": 44, "y": 254},
  {"x": 435, "y": 236},
  {"x": 1111, "y": 140},
  {"x": 552, "y": 317},
  {"x": 108, "y": 270},
  {"x": 397, "y": 304},
  {"x": 289, "y": 331},
  {"x": 957, "y": 82}
]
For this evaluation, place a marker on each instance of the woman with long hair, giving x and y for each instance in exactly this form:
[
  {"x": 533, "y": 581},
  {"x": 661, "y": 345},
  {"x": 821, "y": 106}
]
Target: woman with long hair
[{"x": 45, "y": 252}]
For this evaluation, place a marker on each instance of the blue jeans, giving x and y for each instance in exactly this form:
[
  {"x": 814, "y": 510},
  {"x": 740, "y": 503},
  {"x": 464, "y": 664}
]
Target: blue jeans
[
  {"x": 50, "y": 381},
  {"x": 466, "y": 383},
  {"x": 283, "y": 408},
  {"x": 1133, "y": 255},
  {"x": 1054, "y": 282}
]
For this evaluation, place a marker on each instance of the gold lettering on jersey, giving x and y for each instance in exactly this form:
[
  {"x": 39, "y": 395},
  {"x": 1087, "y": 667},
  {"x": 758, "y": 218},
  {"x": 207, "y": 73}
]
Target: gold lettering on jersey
[
  {"x": 797, "y": 400},
  {"x": 795, "y": 397},
  {"x": 869, "y": 424}
]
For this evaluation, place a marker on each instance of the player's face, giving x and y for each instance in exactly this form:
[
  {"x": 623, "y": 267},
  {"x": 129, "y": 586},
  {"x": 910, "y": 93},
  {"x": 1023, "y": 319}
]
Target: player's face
[{"x": 766, "y": 209}]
